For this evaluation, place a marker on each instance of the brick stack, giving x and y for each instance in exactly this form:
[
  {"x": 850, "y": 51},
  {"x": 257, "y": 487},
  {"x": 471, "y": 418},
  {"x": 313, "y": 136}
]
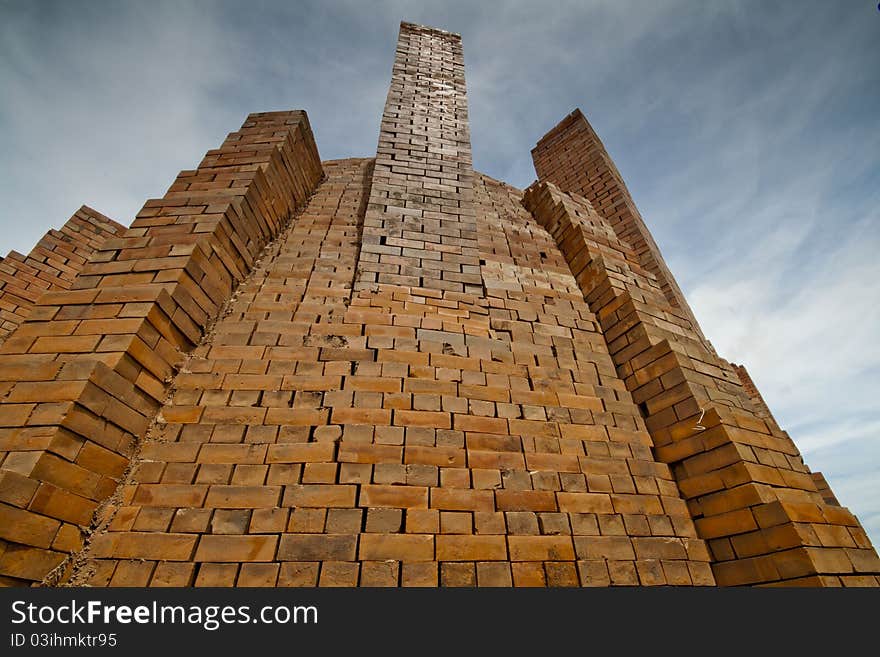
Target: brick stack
[
  {"x": 51, "y": 265},
  {"x": 83, "y": 376},
  {"x": 426, "y": 377},
  {"x": 750, "y": 495},
  {"x": 573, "y": 157},
  {"x": 752, "y": 391},
  {"x": 419, "y": 230}
]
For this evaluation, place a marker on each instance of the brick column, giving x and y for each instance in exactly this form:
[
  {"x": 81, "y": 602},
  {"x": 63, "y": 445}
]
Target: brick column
[
  {"x": 420, "y": 229},
  {"x": 83, "y": 377},
  {"x": 573, "y": 158}
]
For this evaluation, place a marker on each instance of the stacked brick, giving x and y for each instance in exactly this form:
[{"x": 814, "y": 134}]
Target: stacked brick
[
  {"x": 467, "y": 428},
  {"x": 425, "y": 377},
  {"x": 83, "y": 376},
  {"x": 825, "y": 489},
  {"x": 573, "y": 157},
  {"x": 750, "y": 494},
  {"x": 51, "y": 265},
  {"x": 752, "y": 391},
  {"x": 419, "y": 229}
]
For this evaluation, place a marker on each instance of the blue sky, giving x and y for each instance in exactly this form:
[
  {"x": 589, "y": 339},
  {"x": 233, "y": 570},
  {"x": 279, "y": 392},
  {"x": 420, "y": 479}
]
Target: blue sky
[{"x": 747, "y": 132}]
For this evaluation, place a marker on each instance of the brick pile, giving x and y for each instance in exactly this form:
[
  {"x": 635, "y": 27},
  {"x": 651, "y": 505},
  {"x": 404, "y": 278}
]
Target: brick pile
[{"x": 394, "y": 372}]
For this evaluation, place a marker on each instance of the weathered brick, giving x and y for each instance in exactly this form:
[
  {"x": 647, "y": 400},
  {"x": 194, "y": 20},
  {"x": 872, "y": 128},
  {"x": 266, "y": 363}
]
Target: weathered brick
[
  {"x": 471, "y": 548},
  {"x": 236, "y": 548}
]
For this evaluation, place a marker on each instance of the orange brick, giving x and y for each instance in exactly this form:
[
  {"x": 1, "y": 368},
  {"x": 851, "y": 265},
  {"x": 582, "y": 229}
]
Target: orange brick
[
  {"x": 172, "y": 495},
  {"x": 525, "y": 500},
  {"x": 480, "y": 424},
  {"x": 585, "y": 502},
  {"x": 357, "y": 453},
  {"x": 243, "y": 497},
  {"x": 435, "y": 419},
  {"x": 452, "y": 547},
  {"x": 301, "y": 453},
  {"x": 444, "y": 457},
  {"x": 372, "y": 416},
  {"x": 317, "y": 547},
  {"x": 319, "y": 495},
  {"x": 150, "y": 545}
]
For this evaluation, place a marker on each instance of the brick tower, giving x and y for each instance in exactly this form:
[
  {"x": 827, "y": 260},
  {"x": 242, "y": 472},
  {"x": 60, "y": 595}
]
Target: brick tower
[{"x": 392, "y": 371}]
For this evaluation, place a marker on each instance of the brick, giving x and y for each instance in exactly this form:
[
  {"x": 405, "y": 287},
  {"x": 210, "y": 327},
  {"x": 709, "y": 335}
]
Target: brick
[
  {"x": 398, "y": 497},
  {"x": 444, "y": 457},
  {"x": 319, "y": 495},
  {"x": 462, "y": 500},
  {"x": 20, "y": 526},
  {"x": 148, "y": 545},
  {"x": 300, "y": 453},
  {"x": 243, "y": 497},
  {"x": 294, "y": 573},
  {"x": 419, "y": 574},
  {"x": 361, "y": 416},
  {"x": 236, "y": 548},
  {"x": 525, "y": 500},
  {"x": 480, "y": 424},
  {"x": 585, "y": 502},
  {"x": 174, "y": 495}
]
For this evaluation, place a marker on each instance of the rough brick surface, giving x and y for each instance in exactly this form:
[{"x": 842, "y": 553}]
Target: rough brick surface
[
  {"x": 83, "y": 376},
  {"x": 427, "y": 378},
  {"x": 573, "y": 157}
]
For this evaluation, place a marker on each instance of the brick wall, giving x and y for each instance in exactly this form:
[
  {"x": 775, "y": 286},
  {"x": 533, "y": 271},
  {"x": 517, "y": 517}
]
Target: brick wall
[
  {"x": 51, "y": 265},
  {"x": 457, "y": 422}
]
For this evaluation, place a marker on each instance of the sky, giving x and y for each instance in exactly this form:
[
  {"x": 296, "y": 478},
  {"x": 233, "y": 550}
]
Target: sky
[{"x": 747, "y": 132}]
